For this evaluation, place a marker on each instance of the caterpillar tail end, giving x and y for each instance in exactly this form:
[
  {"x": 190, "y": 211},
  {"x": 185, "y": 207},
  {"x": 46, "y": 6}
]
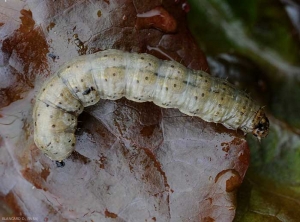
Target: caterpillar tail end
[{"x": 261, "y": 125}]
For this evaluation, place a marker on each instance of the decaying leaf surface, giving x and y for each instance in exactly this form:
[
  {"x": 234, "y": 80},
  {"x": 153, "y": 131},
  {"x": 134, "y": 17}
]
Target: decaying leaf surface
[{"x": 133, "y": 162}]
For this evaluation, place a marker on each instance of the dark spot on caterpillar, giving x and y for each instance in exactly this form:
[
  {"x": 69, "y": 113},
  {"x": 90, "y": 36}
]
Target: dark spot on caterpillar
[
  {"x": 142, "y": 58},
  {"x": 146, "y": 78},
  {"x": 51, "y": 85},
  {"x": 35, "y": 123},
  {"x": 105, "y": 56},
  {"x": 137, "y": 81},
  {"x": 172, "y": 66},
  {"x": 196, "y": 97},
  {"x": 219, "y": 105},
  {"x": 242, "y": 113},
  {"x": 61, "y": 94},
  {"x": 47, "y": 105},
  {"x": 68, "y": 67},
  {"x": 53, "y": 126},
  {"x": 81, "y": 80},
  {"x": 60, "y": 163},
  {"x": 222, "y": 98},
  {"x": 73, "y": 144},
  {"x": 39, "y": 114},
  {"x": 44, "y": 89},
  {"x": 202, "y": 95},
  {"x": 167, "y": 88},
  {"x": 59, "y": 103},
  {"x": 87, "y": 91},
  {"x": 156, "y": 74},
  {"x": 205, "y": 80},
  {"x": 150, "y": 64},
  {"x": 51, "y": 116},
  {"x": 174, "y": 85},
  {"x": 105, "y": 80},
  {"x": 114, "y": 74},
  {"x": 215, "y": 91}
]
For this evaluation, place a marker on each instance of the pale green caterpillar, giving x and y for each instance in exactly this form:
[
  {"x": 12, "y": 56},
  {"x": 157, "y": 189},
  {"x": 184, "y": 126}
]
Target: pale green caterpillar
[{"x": 113, "y": 74}]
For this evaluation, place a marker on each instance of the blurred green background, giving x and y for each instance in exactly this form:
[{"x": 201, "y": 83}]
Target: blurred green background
[{"x": 256, "y": 45}]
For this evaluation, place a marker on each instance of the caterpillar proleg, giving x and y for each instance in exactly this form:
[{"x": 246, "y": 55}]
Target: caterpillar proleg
[{"x": 113, "y": 74}]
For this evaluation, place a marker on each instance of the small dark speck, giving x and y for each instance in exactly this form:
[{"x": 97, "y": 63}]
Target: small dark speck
[
  {"x": 146, "y": 78},
  {"x": 142, "y": 58},
  {"x": 81, "y": 80},
  {"x": 60, "y": 163},
  {"x": 137, "y": 81},
  {"x": 202, "y": 95},
  {"x": 53, "y": 126}
]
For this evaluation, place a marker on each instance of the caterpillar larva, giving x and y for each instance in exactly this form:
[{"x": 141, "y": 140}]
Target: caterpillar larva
[{"x": 112, "y": 74}]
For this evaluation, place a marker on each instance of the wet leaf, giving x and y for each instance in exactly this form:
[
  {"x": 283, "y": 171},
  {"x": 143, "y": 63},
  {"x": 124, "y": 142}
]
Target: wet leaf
[{"x": 133, "y": 162}]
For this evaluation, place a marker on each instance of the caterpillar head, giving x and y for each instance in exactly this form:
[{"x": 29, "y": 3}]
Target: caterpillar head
[{"x": 260, "y": 125}]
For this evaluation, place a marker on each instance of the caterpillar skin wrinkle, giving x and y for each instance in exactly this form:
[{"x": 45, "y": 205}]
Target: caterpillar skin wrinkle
[{"x": 113, "y": 74}]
